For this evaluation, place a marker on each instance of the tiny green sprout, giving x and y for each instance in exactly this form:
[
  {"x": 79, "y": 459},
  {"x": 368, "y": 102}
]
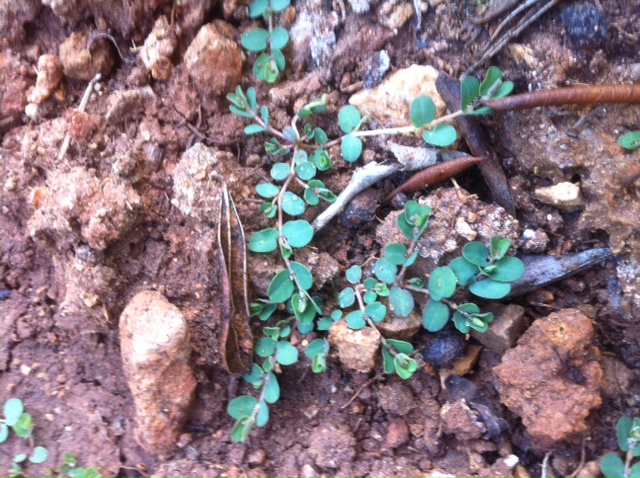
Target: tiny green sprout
[
  {"x": 630, "y": 141},
  {"x": 628, "y": 433},
  {"x": 16, "y": 419},
  {"x": 70, "y": 469}
]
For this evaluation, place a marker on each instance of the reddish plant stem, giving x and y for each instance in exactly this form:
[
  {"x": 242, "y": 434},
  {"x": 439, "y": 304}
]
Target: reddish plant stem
[
  {"x": 574, "y": 95},
  {"x": 434, "y": 175}
]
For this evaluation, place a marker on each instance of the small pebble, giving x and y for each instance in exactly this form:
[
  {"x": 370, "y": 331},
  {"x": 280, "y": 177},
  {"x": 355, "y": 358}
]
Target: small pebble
[{"x": 445, "y": 348}]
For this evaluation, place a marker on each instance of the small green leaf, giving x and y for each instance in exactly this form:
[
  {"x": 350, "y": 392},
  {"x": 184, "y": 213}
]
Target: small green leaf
[
  {"x": 346, "y": 298},
  {"x": 299, "y": 233},
  {"x": 490, "y": 289},
  {"x": 405, "y": 366},
  {"x": 623, "y": 431},
  {"x": 24, "y": 427},
  {"x": 271, "y": 389},
  {"x": 265, "y": 240},
  {"x": 241, "y": 406},
  {"x": 256, "y": 375},
  {"x": 630, "y": 141},
  {"x": 435, "y": 316},
  {"x": 508, "y": 269},
  {"x": 388, "y": 362},
  {"x": 459, "y": 319},
  {"x": 385, "y": 271},
  {"x": 464, "y": 270},
  {"x": 267, "y": 190},
  {"x": 499, "y": 247},
  {"x": 442, "y": 283},
  {"x": 441, "y": 135},
  {"x": 302, "y": 309},
  {"x": 257, "y": 8},
  {"x": 336, "y": 315},
  {"x": 310, "y": 197},
  {"x": 264, "y": 113},
  {"x": 40, "y": 455},
  {"x": 306, "y": 171},
  {"x": 268, "y": 209},
  {"x": 469, "y": 91},
  {"x": 242, "y": 428},
  {"x": 255, "y": 40},
  {"x": 265, "y": 347},
  {"x": 369, "y": 297},
  {"x": 321, "y": 159},
  {"x": 324, "y": 323},
  {"x": 635, "y": 470},
  {"x": 355, "y": 320},
  {"x": 286, "y": 354},
  {"x": 319, "y": 363},
  {"x": 279, "y": 38},
  {"x": 281, "y": 287},
  {"x": 318, "y": 346},
  {"x": 327, "y": 195},
  {"x": 292, "y": 204},
  {"x": 400, "y": 346},
  {"x": 381, "y": 289},
  {"x": 412, "y": 259},
  {"x": 401, "y": 301},
  {"x": 4, "y": 432},
  {"x": 376, "y": 311},
  {"x": 505, "y": 90},
  {"x": 13, "y": 410},
  {"x": 240, "y": 112},
  {"x": 483, "y": 110},
  {"x": 305, "y": 279},
  {"x": 395, "y": 253},
  {"x": 476, "y": 253},
  {"x": 320, "y": 137},
  {"x": 349, "y": 118},
  {"x": 351, "y": 148},
  {"x": 253, "y": 129},
  {"x": 491, "y": 82},
  {"x": 280, "y": 171},
  {"x": 279, "y": 5},
  {"x": 423, "y": 111},
  {"x": 263, "y": 414},
  {"x": 405, "y": 227},
  {"x": 20, "y": 457},
  {"x": 612, "y": 466},
  {"x": 279, "y": 59},
  {"x": 369, "y": 283},
  {"x": 354, "y": 274}
]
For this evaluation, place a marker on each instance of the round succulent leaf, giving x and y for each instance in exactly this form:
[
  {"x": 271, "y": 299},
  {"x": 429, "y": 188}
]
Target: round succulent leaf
[
  {"x": 387, "y": 361},
  {"x": 299, "y": 233},
  {"x": 292, "y": 204},
  {"x": 401, "y": 301},
  {"x": 280, "y": 171},
  {"x": 623, "y": 432},
  {"x": 24, "y": 427},
  {"x": 319, "y": 363},
  {"x": 303, "y": 311},
  {"x": 279, "y": 59},
  {"x": 349, "y": 118},
  {"x": 264, "y": 113},
  {"x": 469, "y": 91},
  {"x": 327, "y": 195},
  {"x": 241, "y": 406},
  {"x": 405, "y": 227},
  {"x": 318, "y": 346},
  {"x": 39, "y": 455},
  {"x": 300, "y": 157},
  {"x": 423, "y": 111},
  {"x": 385, "y": 271},
  {"x": 257, "y": 8},
  {"x": 381, "y": 289},
  {"x": 506, "y": 87},
  {"x": 310, "y": 197},
  {"x": 400, "y": 346},
  {"x": 306, "y": 171},
  {"x": 461, "y": 323},
  {"x": 13, "y": 410},
  {"x": 320, "y": 137},
  {"x": 265, "y": 68},
  {"x": 4, "y": 432},
  {"x": 290, "y": 134},
  {"x": 441, "y": 135},
  {"x": 464, "y": 270},
  {"x": 376, "y": 311},
  {"x": 635, "y": 470},
  {"x": 279, "y": 5},
  {"x": 19, "y": 458},
  {"x": 612, "y": 465},
  {"x": 256, "y": 375},
  {"x": 395, "y": 253},
  {"x": 492, "y": 76},
  {"x": 346, "y": 297},
  {"x": 416, "y": 282},
  {"x": 630, "y": 140},
  {"x": 476, "y": 253},
  {"x": 370, "y": 297},
  {"x": 286, "y": 251},
  {"x": 490, "y": 289},
  {"x": 241, "y": 429},
  {"x": 305, "y": 328},
  {"x": 263, "y": 414},
  {"x": 324, "y": 323},
  {"x": 442, "y": 283},
  {"x": 279, "y": 38},
  {"x": 267, "y": 190},
  {"x": 354, "y": 274},
  {"x": 265, "y": 347},
  {"x": 508, "y": 269},
  {"x": 271, "y": 389},
  {"x": 321, "y": 159},
  {"x": 265, "y": 240},
  {"x": 255, "y": 40},
  {"x": 355, "y": 320},
  {"x": 336, "y": 315},
  {"x": 435, "y": 316},
  {"x": 286, "y": 354},
  {"x": 281, "y": 287},
  {"x": 416, "y": 214},
  {"x": 405, "y": 366},
  {"x": 369, "y": 283},
  {"x": 499, "y": 247},
  {"x": 411, "y": 259},
  {"x": 305, "y": 279},
  {"x": 351, "y": 147}
]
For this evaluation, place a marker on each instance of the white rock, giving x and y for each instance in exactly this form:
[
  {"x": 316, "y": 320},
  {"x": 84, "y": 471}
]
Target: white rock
[{"x": 565, "y": 196}]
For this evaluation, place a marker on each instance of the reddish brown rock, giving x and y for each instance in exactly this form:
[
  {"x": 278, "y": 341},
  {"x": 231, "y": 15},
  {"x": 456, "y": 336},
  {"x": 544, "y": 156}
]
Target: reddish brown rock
[
  {"x": 397, "y": 433},
  {"x": 552, "y": 379},
  {"x": 79, "y": 63},
  {"x": 357, "y": 349},
  {"x": 214, "y": 60},
  {"x": 49, "y": 77},
  {"x": 155, "y": 352}
]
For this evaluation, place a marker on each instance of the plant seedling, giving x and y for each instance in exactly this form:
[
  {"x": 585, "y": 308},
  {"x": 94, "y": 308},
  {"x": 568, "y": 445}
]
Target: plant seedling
[
  {"x": 630, "y": 141},
  {"x": 628, "y": 432},
  {"x": 70, "y": 469}
]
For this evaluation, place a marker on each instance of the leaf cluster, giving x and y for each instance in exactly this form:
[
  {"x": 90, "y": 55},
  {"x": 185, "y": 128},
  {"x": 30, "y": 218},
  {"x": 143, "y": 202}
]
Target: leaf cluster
[
  {"x": 628, "y": 433},
  {"x": 268, "y": 65}
]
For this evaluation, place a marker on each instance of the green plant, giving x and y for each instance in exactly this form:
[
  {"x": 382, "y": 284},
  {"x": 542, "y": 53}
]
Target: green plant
[
  {"x": 302, "y": 151},
  {"x": 630, "y": 141},
  {"x": 628, "y": 431},
  {"x": 268, "y": 65},
  {"x": 21, "y": 423},
  {"x": 69, "y": 468}
]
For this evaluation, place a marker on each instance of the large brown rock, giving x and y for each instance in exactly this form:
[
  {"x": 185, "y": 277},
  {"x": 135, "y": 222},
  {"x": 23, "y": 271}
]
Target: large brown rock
[
  {"x": 155, "y": 353},
  {"x": 552, "y": 379}
]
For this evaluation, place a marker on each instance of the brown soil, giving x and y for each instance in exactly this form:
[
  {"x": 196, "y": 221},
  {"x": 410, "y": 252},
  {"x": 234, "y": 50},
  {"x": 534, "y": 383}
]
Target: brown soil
[{"x": 83, "y": 234}]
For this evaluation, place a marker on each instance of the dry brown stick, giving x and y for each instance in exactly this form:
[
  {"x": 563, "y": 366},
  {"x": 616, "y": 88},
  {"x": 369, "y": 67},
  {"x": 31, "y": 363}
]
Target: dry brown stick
[{"x": 573, "y": 95}]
